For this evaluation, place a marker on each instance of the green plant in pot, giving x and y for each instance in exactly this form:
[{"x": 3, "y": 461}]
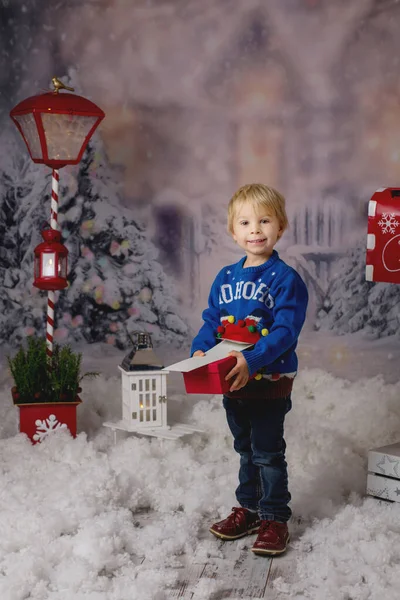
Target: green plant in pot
[{"x": 37, "y": 381}]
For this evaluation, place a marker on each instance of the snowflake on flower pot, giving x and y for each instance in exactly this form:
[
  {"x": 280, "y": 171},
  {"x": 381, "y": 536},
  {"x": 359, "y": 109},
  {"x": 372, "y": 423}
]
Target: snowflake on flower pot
[{"x": 46, "y": 397}]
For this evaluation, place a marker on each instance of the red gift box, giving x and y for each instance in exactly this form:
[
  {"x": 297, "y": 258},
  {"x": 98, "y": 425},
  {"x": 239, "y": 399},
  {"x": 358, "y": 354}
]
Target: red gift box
[
  {"x": 210, "y": 379},
  {"x": 383, "y": 242},
  {"x": 37, "y": 420}
]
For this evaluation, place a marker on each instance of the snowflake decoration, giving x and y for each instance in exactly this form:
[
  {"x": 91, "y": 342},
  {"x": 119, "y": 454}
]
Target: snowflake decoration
[
  {"x": 43, "y": 428},
  {"x": 388, "y": 223}
]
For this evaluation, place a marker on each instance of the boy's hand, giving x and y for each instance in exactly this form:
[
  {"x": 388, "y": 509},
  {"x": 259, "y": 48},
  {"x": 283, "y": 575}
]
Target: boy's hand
[
  {"x": 241, "y": 370},
  {"x": 199, "y": 353}
]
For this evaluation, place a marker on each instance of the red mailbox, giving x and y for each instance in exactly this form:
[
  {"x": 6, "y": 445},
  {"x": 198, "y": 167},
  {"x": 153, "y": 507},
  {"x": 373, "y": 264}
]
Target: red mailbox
[{"x": 383, "y": 242}]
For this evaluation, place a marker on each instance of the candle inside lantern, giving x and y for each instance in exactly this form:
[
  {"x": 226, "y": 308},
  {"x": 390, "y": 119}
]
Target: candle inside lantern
[{"x": 48, "y": 259}]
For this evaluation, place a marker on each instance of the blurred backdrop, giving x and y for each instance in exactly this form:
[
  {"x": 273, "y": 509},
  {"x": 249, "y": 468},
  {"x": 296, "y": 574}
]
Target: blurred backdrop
[{"x": 200, "y": 98}]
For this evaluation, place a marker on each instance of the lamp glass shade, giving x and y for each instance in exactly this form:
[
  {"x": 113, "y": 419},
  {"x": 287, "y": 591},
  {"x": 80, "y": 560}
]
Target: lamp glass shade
[
  {"x": 65, "y": 134},
  {"x": 48, "y": 264},
  {"x": 30, "y": 132}
]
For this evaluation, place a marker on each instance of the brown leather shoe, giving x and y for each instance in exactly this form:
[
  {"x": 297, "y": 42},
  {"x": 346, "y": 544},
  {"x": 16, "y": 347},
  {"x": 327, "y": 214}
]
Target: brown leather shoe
[
  {"x": 240, "y": 522},
  {"x": 272, "y": 538}
]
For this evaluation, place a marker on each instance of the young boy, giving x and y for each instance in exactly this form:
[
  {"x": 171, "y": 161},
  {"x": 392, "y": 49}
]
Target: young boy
[{"x": 263, "y": 290}]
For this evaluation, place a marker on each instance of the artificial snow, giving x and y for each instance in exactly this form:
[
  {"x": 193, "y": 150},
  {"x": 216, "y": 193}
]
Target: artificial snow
[{"x": 88, "y": 519}]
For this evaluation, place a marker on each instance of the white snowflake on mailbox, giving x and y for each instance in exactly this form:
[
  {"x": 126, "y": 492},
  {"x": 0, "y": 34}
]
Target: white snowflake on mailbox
[
  {"x": 144, "y": 386},
  {"x": 388, "y": 223}
]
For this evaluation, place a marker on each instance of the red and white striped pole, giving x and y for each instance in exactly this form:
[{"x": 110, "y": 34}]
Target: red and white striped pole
[{"x": 51, "y": 294}]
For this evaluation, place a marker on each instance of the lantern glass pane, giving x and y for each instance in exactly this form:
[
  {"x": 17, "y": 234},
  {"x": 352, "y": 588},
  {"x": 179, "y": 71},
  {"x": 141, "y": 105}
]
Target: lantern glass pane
[
  {"x": 29, "y": 129},
  {"x": 65, "y": 134},
  {"x": 62, "y": 267},
  {"x": 48, "y": 264}
]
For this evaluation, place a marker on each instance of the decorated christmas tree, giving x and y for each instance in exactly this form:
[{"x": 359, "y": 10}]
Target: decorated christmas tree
[
  {"x": 116, "y": 284},
  {"x": 353, "y": 304}
]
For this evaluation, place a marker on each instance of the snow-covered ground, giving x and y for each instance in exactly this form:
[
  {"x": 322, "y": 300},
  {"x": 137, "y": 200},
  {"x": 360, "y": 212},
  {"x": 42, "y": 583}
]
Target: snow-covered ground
[{"x": 72, "y": 511}]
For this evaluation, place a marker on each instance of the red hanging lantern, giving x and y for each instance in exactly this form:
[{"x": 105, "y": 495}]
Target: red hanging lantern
[
  {"x": 56, "y": 127},
  {"x": 51, "y": 262}
]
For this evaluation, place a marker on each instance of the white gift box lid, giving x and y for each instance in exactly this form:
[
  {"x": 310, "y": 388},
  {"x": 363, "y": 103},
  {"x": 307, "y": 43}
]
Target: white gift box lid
[{"x": 218, "y": 352}]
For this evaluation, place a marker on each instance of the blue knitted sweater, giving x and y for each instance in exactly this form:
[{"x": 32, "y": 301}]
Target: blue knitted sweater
[{"x": 275, "y": 296}]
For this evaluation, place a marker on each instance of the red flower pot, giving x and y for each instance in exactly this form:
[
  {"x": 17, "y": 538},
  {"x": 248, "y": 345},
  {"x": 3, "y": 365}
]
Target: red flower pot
[{"x": 38, "y": 419}]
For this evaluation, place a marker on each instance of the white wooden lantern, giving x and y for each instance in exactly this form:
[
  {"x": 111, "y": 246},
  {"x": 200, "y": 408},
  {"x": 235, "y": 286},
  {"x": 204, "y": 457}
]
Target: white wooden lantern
[
  {"x": 144, "y": 395},
  {"x": 144, "y": 386}
]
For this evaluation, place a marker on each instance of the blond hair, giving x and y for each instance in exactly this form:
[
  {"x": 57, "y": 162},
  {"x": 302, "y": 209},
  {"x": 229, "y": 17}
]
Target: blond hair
[{"x": 259, "y": 195}]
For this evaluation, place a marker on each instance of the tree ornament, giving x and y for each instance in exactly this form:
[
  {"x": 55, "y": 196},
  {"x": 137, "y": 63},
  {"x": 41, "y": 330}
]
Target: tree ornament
[
  {"x": 264, "y": 331},
  {"x": 252, "y": 329},
  {"x": 231, "y": 319},
  {"x": 146, "y": 294},
  {"x": 258, "y": 376},
  {"x": 220, "y": 329},
  {"x": 241, "y": 323}
]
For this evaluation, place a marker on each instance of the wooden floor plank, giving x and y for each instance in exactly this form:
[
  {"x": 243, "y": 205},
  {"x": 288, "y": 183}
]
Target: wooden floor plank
[
  {"x": 251, "y": 573},
  {"x": 242, "y": 574},
  {"x": 283, "y": 566},
  {"x": 187, "y": 580},
  {"x": 193, "y": 568}
]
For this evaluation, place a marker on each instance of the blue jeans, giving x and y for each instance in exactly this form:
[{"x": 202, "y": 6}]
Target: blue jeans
[{"x": 257, "y": 428}]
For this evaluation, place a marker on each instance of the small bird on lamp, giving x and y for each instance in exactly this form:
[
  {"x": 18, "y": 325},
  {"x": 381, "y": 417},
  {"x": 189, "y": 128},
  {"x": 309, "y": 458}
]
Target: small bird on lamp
[{"x": 59, "y": 85}]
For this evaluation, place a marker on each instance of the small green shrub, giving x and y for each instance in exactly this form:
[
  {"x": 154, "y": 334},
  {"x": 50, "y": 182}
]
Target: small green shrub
[{"x": 36, "y": 381}]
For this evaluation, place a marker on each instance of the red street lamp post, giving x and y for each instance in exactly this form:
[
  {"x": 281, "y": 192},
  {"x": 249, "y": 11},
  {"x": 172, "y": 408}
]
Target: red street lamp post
[{"x": 56, "y": 129}]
